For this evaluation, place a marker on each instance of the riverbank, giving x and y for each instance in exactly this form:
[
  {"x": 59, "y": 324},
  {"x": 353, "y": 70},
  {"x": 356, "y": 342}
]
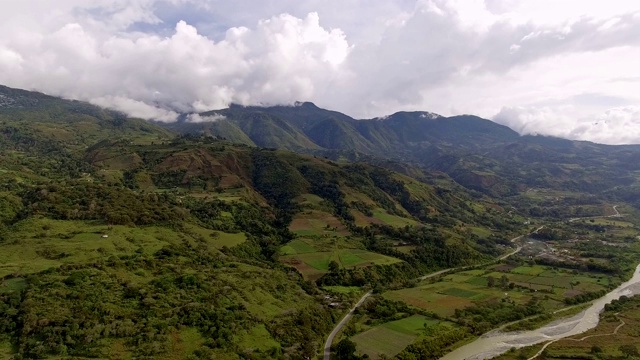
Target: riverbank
[
  {"x": 618, "y": 327},
  {"x": 494, "y": 344}
]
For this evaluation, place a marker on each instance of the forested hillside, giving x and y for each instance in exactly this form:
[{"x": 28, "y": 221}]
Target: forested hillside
[{"x": 120, "y": 239}]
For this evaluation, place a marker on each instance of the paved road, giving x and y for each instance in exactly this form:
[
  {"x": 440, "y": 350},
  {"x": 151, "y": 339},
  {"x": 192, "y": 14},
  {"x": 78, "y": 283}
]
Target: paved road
[{"x": 343, "y": 322}]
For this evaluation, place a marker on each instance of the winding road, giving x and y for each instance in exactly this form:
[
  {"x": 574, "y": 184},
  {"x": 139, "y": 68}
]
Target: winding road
[{"x": 342, "y": 323}]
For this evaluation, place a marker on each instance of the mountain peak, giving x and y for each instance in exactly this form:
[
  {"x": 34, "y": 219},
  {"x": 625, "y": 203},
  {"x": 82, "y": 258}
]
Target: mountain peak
[
  {"x": 305, "y": 104},
  {"x": 411, "y": 115}
]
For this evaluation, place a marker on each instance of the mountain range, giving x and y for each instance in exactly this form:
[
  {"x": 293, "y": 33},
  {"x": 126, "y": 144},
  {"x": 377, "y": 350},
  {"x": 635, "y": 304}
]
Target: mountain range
[{"x": 477, "y": 153}]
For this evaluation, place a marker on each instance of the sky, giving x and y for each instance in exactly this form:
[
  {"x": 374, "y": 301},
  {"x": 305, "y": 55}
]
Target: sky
[{"x": 568, "y": 68}]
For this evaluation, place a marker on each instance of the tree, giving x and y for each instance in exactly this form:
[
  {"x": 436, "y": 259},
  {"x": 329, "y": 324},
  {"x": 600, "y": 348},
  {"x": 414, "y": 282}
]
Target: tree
[
  {"x": 333, "y": 266},
  {"x": 629, "y": 350},
  {"x": 504, "y": 281},
  {"x": 345, "y": 350},
  {"x": 491, "y": 281}
]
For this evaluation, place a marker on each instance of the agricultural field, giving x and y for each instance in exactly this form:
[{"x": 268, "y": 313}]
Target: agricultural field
[
  {"x": 520, "y": 284},
  {"x": 392, "y": 337},
  {"x": 317, "y": 223},
  {"x": 392, "y": 220},
  {"x": 312, "y": 258}
]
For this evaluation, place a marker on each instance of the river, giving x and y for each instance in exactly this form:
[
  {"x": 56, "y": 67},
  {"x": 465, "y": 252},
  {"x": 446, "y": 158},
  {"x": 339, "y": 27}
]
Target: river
[{"x": 495, "y": 343}]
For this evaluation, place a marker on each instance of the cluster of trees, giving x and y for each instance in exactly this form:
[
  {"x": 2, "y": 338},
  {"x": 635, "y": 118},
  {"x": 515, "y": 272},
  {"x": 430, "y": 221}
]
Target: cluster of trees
[
  {"x": 278, "y": 182},
  {"x": 433, "y": 347},
  {"x": 82, "y": 200},
  {"x": 482, "y": 317},
  {"x": 585, "y": 297},
  {"x": 326, "y": 185},
  {"x": 382, "y": 310}
]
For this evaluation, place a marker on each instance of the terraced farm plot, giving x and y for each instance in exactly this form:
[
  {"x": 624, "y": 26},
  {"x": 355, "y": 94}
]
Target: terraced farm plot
[
  {"x": 412, "y": 325},
  {"x": 472, "y": 272},
  {"x": 297, "y": 247},
  {"x": 477, "y": 280},
  {"x": 382, "y": 341},
  {"x": 429, "y": 299},
  {"x": 364, "y": 220}
]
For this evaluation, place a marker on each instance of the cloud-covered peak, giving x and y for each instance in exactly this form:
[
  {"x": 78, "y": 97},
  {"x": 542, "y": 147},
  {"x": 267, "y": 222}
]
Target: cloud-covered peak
[{"x": 158, "y": 58}]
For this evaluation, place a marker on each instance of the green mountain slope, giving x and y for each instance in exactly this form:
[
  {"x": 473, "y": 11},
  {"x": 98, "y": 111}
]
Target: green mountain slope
[{"x": 119, "y": 239}]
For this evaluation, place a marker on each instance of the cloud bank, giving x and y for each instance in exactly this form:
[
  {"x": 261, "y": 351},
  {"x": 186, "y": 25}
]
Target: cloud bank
[{"x": 553, "y": 73}]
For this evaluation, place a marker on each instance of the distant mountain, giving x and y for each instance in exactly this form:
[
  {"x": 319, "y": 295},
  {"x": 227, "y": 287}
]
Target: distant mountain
[
  {"x": 306, "y": 126},
  {"x": 477, "y": 153}
]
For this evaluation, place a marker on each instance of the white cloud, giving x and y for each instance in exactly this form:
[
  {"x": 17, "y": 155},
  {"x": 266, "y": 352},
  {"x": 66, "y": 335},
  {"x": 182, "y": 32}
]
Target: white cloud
[
  {"x": 282, "y": 60},
  {"x": 135, "y": 108},
  {"x": 619, "y": 125},
  {"x": 197, "y": 118},
  {"x": 155, "y": 58}
]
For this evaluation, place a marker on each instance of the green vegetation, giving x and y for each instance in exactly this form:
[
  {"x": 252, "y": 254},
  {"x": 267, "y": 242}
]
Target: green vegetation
[{"x": 119, "y": 239}]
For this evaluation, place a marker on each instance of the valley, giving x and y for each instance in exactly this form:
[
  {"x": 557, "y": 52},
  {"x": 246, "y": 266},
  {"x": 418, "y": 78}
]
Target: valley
[{"x": 123, "y": 239}]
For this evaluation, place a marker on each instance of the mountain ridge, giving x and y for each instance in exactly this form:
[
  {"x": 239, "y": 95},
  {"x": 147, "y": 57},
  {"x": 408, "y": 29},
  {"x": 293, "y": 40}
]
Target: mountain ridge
[{"x": 478, "y": 153}]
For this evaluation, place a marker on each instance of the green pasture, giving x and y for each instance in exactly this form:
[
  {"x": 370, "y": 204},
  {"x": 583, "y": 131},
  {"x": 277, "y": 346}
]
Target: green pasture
[
  {"x": 297, "y": 247},
  {"x": 343, "y": 289},
  {"x": 37, "y": 244},
  {"x": 405, "y": 249},
  {"x": 391, "y": 338},
  {"x": 392, "y": 220}
]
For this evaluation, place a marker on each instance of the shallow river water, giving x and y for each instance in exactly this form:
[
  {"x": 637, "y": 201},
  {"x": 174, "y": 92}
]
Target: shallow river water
[{"x": 495, "y": 343}]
